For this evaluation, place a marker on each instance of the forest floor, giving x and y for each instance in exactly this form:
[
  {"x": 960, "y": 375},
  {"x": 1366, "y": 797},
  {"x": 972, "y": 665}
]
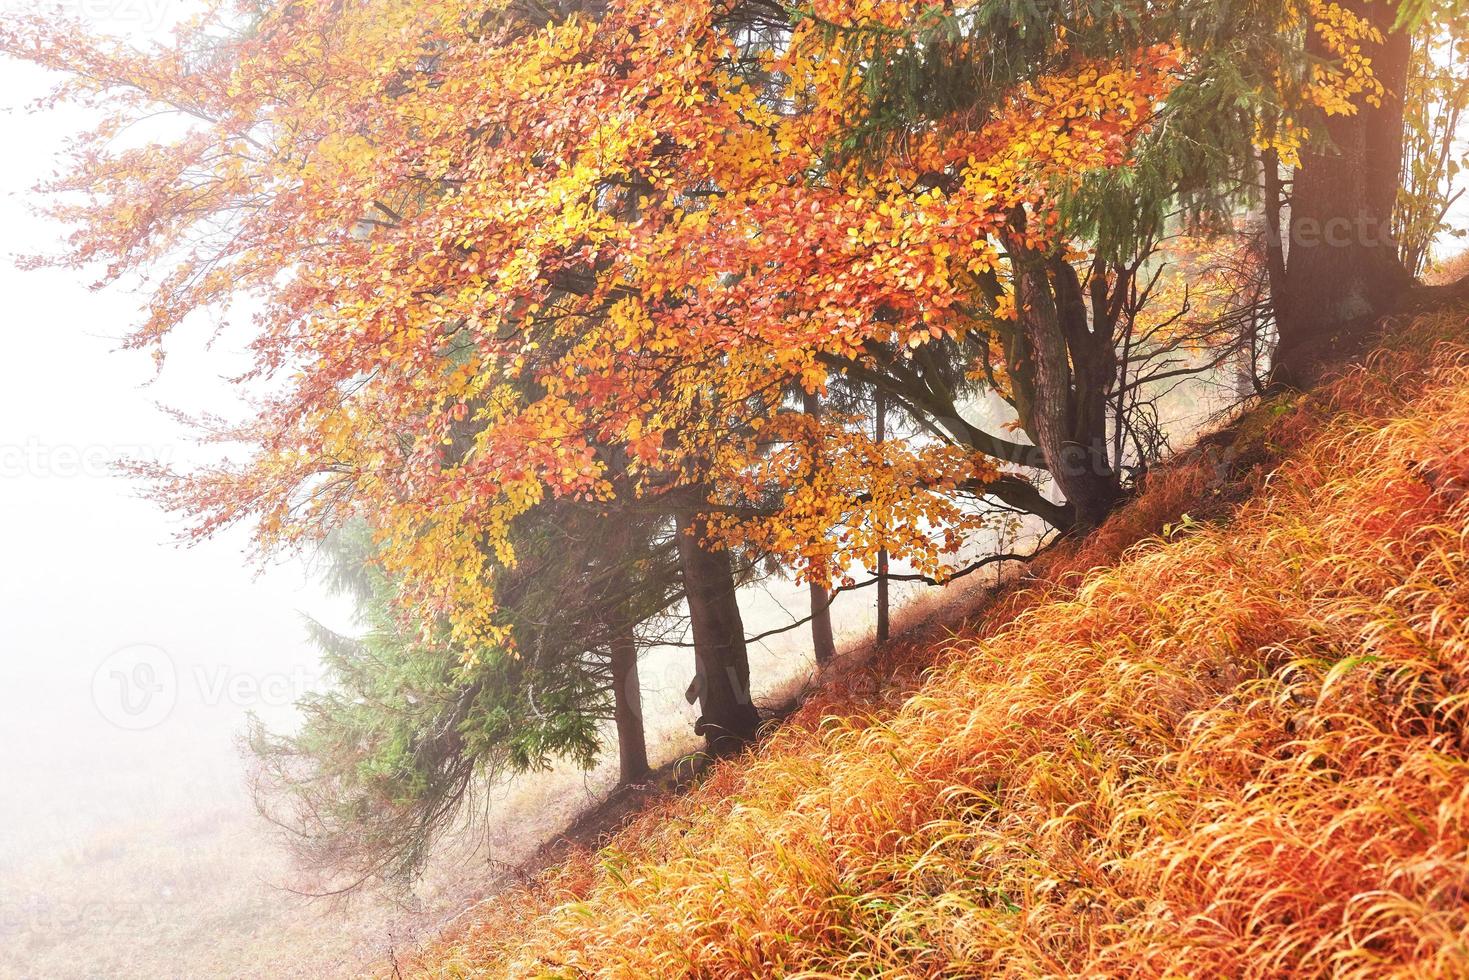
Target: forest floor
[
  {"x": 918, "y": 625},
  {"x": 1224, "y": 735}
]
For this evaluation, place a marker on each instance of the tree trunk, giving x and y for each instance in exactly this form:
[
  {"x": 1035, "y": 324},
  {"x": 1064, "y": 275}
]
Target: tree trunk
[
  {"x": 1272, "y": 207},
  {"x": 1052, "y": 411},
  {"x": 1343, "y": 272},
  {"x": 728, "y": 720},
  {"x": 823, "y": 643},
  {"x": 627, "y": 709},
  {"x": 1093, "y": 352},
  {"x": 880, "y": 413}
]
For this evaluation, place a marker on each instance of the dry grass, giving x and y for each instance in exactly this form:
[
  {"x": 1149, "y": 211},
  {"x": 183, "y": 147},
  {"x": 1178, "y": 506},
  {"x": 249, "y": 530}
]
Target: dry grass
[
  {"x": 1449, "y": 270},
  {"x": 1238, "y": 749}
]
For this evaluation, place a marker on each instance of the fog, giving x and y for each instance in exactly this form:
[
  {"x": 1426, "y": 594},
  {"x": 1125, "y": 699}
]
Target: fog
[{"x": 126, "y": 664}]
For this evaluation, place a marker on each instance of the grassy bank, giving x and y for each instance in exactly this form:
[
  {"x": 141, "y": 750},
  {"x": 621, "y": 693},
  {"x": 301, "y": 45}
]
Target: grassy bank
[{"x": 1225, "y": 736}]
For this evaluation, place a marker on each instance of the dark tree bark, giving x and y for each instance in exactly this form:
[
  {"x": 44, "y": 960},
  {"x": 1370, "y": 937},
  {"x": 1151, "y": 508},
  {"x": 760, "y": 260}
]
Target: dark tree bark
[
  {"x": 1062, "y": 365},
  {"x": 627, "y": 709},
  {"x": 823, "y": 642},
  {"x": 1343, "y": 272},
  {"x": 1090, "y": 341},
  {"x": 1272, "y": 207},
  {"x": 728, "y": 720},
  {"x": 880, "y": 415},
  {"x": 884, "y": 622}
]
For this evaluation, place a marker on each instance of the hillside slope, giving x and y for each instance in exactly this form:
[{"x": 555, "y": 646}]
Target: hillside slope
[{"x": 1239, "y": 748}]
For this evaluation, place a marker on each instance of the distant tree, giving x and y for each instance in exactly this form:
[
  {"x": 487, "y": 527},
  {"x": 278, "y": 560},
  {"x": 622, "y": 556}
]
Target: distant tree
[
  {"x": 880, "y": 424},
  {"x": 1438, "y": 97},
  {"x": 412, "y": 725},
  {"x": 823, "y": 642}
]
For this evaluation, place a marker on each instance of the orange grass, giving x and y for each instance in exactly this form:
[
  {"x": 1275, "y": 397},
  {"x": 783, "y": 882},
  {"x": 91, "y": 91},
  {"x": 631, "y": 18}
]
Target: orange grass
[
  {"x": 1237, "y": 750},
  {"x": 1449, "y": 270}
]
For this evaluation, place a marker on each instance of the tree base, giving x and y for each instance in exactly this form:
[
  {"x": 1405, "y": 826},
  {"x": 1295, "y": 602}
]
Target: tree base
[{"x": 1304, "y": 365}]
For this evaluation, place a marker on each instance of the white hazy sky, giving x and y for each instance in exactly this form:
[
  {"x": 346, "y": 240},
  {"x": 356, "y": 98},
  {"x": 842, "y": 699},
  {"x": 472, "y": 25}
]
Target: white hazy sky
[{"x": 86, "y": 568}]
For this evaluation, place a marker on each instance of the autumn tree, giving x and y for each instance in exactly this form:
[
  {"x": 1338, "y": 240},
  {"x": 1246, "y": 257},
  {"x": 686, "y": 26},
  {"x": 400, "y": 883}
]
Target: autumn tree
[
  {"x": 1438, "y": 97},
  {"x": 1312, "y": 92},
  {"x": 599, "y": 280}
]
